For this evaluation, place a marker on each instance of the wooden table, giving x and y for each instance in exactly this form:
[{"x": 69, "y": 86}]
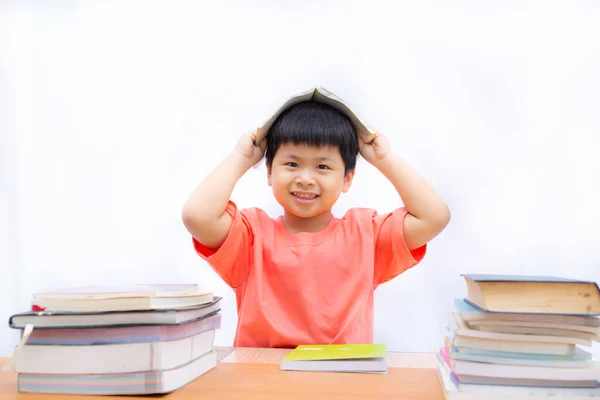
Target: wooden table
[{"x": 247, "y": 373}]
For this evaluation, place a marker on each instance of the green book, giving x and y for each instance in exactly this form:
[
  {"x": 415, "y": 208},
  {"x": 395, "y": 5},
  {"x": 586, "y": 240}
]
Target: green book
[{"x": 366, "y": 358}]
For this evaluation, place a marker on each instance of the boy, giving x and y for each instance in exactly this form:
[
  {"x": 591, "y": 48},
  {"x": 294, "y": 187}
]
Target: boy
[{"x": 308, "y": 277}]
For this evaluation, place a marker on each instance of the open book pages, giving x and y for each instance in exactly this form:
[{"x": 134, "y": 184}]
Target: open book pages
[
  {"x": 121, "y": 298},
  {"x": 118, "y": 291},
  {"x": 321, "y": 95}
]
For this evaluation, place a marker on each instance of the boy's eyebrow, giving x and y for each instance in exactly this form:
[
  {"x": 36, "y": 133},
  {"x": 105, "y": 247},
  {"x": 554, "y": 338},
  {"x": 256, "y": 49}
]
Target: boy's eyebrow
[
  {"x": 295, "y": 157},
  {"x": 324, "y": 159}
]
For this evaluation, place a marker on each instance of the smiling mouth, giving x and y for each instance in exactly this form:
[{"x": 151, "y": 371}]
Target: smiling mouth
[{"x": 305, "y": 196}]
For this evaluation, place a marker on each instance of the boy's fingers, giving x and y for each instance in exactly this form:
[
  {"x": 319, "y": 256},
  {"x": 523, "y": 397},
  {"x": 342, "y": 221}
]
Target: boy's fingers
[
  {"x": 252, "y": 133},
  {"x": 361, "y": 142}
]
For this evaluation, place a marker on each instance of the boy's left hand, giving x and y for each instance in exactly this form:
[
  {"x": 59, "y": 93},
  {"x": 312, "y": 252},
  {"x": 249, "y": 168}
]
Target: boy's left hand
[{"x": 376, "y": 150}]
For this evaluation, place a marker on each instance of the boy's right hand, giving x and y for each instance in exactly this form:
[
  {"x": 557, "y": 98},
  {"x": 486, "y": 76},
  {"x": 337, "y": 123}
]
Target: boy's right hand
[
  {"x": 205, "y": 213},
  {"x": 254, "y": 153}
]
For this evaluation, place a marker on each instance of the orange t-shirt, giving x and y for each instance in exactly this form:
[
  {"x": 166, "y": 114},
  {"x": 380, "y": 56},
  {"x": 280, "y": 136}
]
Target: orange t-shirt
[{"x": 309, "y": 288}]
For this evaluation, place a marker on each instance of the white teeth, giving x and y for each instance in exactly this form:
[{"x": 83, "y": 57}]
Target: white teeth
[{"x": 305, "y": 196}]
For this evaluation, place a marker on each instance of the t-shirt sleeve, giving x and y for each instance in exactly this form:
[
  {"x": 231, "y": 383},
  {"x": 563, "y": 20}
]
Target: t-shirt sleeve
[
  {"x": 392, "y": 256},
  {"x": 232, "y": 260}
]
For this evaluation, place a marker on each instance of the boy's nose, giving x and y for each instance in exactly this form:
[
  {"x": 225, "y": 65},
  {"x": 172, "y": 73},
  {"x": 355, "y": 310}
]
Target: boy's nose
[{"x": 305, "y": 179}]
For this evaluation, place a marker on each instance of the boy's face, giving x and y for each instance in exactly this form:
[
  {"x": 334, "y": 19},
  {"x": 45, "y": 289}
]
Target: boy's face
[{"x": 307, "y": 181}]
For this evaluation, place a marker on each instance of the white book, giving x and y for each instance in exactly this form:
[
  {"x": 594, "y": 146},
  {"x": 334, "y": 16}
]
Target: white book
[
  {"x": 533, "y": 324},
  {"x": 112, "y": 358},
  {"x": 580, "y": 359},
  {"x": 168, "y": 316},
  {"x": 512, "y": 346},
  {"x": 472, "y": 314},
  {"x": 141, "y": 383},
  {"x": 462, "y": 335},
  {"x": 590, "y": 373},
  {"x": 459, "y": 327},
  {"x": 529, "y": 330},
  {"x": 460, "y": 391}
]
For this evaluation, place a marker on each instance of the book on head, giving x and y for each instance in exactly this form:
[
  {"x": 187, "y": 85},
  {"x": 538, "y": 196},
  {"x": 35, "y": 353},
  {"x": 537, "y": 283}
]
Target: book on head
[{"x": 321, "y": 95}]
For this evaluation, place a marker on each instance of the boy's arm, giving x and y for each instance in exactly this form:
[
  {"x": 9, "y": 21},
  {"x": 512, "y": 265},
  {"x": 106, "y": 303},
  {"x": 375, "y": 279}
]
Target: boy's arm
[
  {"x": 427, "y": 214},
  {"x": 204, "y": 213}
]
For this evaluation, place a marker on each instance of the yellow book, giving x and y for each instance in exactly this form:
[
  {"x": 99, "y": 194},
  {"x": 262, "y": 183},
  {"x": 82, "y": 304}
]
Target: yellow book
[{"x": 367, "y": 358}]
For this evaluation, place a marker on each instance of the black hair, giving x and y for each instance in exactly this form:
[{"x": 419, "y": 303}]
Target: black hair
[{"x": 315, "y": 124}]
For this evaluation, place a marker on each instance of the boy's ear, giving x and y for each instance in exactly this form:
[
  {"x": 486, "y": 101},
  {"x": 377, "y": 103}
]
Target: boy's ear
[{"x": 348, "y": 181}]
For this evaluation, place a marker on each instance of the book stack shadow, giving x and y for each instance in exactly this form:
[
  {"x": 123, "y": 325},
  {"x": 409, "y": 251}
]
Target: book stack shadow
[
  {"x": 522, "y": 337},
  {"x": 133, "y": 340}
]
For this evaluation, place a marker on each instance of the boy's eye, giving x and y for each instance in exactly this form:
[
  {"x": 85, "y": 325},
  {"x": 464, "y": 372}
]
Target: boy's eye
[
  {"x": 322, "y": 166},
  {"x": 291, "y": 164}
]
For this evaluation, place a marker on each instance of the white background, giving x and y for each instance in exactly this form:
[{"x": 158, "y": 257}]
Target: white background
[{"x": 112, "y": 112}]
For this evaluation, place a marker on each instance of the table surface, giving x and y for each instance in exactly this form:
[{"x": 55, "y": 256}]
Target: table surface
[{"x": 253, "y": 373}]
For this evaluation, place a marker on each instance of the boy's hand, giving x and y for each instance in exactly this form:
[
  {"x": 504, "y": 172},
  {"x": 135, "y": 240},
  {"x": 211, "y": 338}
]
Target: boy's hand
[
  {"x": 376, "y": 150},
  {"x": 254, "y": 153}
]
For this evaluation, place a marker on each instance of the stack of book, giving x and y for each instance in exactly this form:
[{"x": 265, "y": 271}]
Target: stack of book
[
  {"x": 522, "y": 337},
  {"x": 125, "y": 340}
]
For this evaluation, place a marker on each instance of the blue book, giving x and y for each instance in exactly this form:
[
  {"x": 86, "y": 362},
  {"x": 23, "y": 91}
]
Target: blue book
[{"x": 469, "y": 313}]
